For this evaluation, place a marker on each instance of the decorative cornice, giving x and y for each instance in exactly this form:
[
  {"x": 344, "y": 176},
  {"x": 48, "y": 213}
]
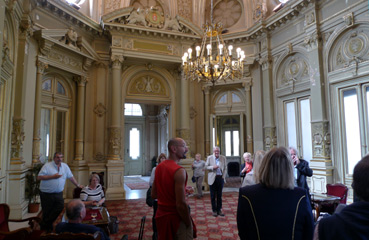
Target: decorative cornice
[{"x": 66, "y": 12}]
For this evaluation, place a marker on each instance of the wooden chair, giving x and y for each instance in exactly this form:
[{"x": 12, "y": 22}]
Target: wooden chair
[
  {"x": 338, "y": 190},
  {"x": 72, "y": 236},
  {"x": 140, "y": 236},
  {"x": 22, "y": 233}
]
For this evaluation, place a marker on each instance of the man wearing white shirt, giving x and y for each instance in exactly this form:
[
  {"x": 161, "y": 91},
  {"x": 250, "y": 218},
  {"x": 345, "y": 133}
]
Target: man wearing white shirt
[
  {"x": 53, "y": 176},
  {"x": 216, "y": 164}
]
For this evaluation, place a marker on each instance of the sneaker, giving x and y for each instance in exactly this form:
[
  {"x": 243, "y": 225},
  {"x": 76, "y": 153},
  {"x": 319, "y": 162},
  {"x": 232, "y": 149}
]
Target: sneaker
[
  {"x": 215, "y": 214},
  {"x": 220, "y": 213}
]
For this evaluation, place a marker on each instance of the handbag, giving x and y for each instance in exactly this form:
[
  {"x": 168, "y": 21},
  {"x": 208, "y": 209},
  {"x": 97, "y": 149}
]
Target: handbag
[
  {"x": 149, "y": 200},
  {"x": 193, "y": 179},
  {"x": 113, "y": 224}
]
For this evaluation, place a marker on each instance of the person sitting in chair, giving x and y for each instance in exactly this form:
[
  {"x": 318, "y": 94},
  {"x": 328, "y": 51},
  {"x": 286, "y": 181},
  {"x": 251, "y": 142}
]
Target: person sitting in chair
[
  {"x": 76, "y": 212},
  {"x": 93, "y": 194}
]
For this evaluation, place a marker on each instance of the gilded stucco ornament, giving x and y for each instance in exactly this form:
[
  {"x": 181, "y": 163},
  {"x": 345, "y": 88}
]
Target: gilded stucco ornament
[
  {"x": 321, "y": 139},
  {"x": 17, "y": 138},
  {"x": 349, "y": 19},
  {"x": 294, "y": 69},
  {"x": 100, "y": 110},
  {"x": 114, "y": 141}
]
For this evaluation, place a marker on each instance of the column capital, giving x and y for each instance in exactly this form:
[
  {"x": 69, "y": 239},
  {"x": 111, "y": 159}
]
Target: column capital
[
  {"x": 311, "y": 41},
  {"x": 81, "y": 80},
  {"x": 116, "y": 60},
  {"x": 41, "y": 66},
  {"x": 26, "y": 27},
  {"x": 206, "y": 89},
  {"x": 265, "y": 62},
  {"x": 247, "y": 85}
]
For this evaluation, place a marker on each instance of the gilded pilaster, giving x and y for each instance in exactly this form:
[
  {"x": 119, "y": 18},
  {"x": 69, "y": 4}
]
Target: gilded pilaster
[
  {"x": 206, "y": 91},
  {"x": 79, "y": 141},
  {"x": 249, "y": 136},
  {"x": 41, "y": 66},
  {"x": 270, "y": 138},
  {"x": 184, "y": 129},
  {"x": 115, "y": 164},
  {"x": 17, "y": 142}
]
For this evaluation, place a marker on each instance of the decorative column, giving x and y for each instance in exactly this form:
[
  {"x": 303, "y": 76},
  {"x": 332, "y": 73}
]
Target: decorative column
[
  {"x": 18, "y": 135},
  {"x": 41, "y": 66},
  {"x": 249, "y": 136},
  {"x": 270, "y": 137},
  {"x": 115, "y": 163},
  {"x": 207, "y": 119},
  {"x": 184, "y": 129},
  {"x": 321, "y": 162},
  {"x": 80, "y": 126},
  {"x": 114, "y": 129}
]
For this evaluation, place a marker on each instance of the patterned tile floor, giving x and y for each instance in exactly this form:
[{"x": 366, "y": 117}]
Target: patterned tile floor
[{"x": 130, "y": 212}]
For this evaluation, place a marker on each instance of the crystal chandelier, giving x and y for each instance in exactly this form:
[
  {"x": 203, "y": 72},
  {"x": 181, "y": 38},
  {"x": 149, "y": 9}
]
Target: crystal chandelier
[{"x": 213, "y": 61}]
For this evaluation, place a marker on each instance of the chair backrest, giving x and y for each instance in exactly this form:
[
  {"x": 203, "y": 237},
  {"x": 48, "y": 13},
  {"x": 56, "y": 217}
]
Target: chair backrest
[
  {"x": 19, "y": 234},
  {"x": 72, "y": 236},
  {"x": 4, "y": 217},
  {"x": 77, "y": 192},
  {"x": 339, "y": 190},
  {"x": 140, "y": 236}
]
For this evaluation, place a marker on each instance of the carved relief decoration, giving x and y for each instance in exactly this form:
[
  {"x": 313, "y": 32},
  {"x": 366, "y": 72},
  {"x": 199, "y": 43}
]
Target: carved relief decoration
[
  {"x": 147, "y": 85},
  {"x": 184, "y": 8},
  {"x": 100, "y": 110},
  {"x": 111, "y": 5},
  {"x": 114, "y": 141},
  {"x": 321, "y": 140},
  {"x": 311, "y": 41},
  {"x": 260, "y": 10},
  {"x": 67, "y": 60},
  {"x": 349, "y": 19},
  {"x": 350, "y": 49},
  {"x": 270, "y": 139},
  {"x": 294, "y": 69},
  {"x": 309, "y": 18},
  {"x": 17, "y": 138},
  {"x": 71, "y": 38},
  {"x": 193, "y": 112},
  {"x": 99, "y": 157},
  {"x": 227, "y": 12}
]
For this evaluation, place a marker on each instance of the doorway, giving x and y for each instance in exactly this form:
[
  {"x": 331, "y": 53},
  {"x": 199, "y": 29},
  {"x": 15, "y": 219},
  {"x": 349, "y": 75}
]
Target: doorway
[{"x": 133, "y": 157}]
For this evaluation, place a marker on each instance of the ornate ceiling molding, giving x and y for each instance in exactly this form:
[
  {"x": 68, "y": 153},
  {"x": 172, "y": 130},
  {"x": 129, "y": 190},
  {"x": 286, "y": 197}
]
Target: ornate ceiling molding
[{"x": 67, "y": 13}]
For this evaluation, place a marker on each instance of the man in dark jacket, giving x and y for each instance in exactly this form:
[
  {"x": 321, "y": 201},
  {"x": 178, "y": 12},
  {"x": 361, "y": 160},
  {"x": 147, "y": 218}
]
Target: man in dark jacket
[
  {"x": 302, "y": 169},
  {"x": 353, "y": 221}
]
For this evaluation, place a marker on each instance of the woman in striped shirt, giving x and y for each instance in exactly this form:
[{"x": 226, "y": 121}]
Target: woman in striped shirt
[{"x": 93, "y": 194}]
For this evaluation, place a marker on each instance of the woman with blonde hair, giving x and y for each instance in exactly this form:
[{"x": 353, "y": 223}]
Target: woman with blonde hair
[
  {"x": 93, "y": 194},
  {"x": 274, "y": 207},
  {"x": 250, "y": 178}
]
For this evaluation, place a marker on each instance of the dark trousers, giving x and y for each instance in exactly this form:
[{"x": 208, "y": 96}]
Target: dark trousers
[
  {"x": 155, "y": 231},
  {"x": 52, "y": 205},
  {"x": 216, "y": 192}
]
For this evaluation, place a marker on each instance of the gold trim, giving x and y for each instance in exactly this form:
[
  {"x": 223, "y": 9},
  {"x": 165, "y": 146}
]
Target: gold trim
[
  {"x": 327, "y": 175},
  {"x": 294, "y": 221},
  {"x": 253, "y": 214},
  {"x": 312, "y": 160}
]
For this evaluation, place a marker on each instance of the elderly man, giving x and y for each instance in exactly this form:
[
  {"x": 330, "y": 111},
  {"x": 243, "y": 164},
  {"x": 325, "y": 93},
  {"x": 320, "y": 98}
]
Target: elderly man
[
  {"x": 173, "y": 219},
  {"x": 53, "y": 176},
  {"x": 216, "y": 164},
  {"x": 302, "y": 169},
  {"x": 352, "y": 222},
  {"x": 76, "y": 212}
]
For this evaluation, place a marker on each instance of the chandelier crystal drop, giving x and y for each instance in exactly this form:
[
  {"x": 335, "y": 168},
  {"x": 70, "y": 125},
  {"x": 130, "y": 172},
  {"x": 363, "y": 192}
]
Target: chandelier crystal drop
[{"x": 212, "y": 61}]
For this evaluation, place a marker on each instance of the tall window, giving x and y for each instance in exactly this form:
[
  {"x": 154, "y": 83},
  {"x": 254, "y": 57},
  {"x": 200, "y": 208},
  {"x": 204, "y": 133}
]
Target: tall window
[
  {"x": 354, "y": 116},
  {"x": 298, "y": 126},
  {"x": 54, "y": 114}
]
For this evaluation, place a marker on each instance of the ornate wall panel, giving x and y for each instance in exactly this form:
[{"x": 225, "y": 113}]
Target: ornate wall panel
[
  {"x": 351, "y": 48},
  {"x": 148, "y": 85},
  {"x": 294, "y": 69}
]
